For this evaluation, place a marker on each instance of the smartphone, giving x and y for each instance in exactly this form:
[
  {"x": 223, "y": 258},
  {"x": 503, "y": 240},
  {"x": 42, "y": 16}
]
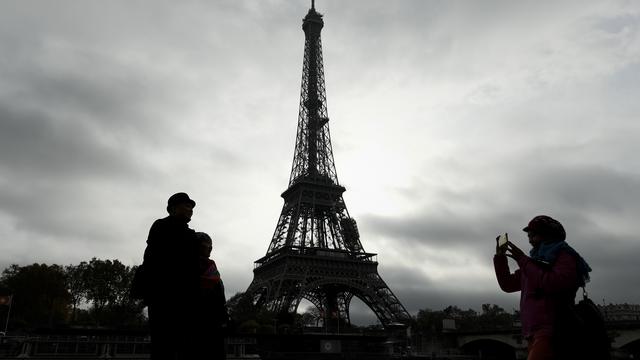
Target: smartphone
[{"x": 503, "y": 239}]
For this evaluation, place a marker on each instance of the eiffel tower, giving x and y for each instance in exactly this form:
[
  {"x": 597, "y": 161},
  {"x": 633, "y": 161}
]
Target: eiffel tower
[{"x": 315, "y": 252}]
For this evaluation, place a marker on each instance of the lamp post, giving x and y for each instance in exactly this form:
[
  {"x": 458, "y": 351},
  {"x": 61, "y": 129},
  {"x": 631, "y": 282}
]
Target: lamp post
[{"x": 7, "y": 300}]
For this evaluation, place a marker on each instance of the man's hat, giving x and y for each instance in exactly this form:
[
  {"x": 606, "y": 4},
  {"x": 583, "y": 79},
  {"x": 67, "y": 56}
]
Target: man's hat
[
  {"x": 179, "y": 198},
  {"x": 546, "y": 226}
]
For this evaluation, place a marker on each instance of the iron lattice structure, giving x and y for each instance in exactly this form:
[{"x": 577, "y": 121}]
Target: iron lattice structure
[{"x": 315, "y": 252}]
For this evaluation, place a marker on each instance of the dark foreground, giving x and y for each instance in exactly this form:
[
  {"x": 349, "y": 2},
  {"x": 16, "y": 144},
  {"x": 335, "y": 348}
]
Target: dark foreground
[
  {"x": 266, "y": 347},
  {"x": 308, "y": 346}
]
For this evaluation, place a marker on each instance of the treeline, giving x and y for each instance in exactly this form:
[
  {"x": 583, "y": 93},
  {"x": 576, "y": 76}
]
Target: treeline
[
  {"x": 426, "y": 322},
  {"x": 95, "y": 293},
  {"x": 92, "y": 293},
  {"x": 492, "y": 317}
]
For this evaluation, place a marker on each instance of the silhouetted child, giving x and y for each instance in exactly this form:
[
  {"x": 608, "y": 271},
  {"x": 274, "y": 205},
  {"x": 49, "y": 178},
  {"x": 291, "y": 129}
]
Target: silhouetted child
[{"x": 211, "y": 312}]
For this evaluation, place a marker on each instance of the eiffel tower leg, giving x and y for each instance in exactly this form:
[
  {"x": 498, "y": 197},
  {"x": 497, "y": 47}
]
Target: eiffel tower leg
[
  {"x": 344, "y": 301},
  {"x": 332, "y": 308}
]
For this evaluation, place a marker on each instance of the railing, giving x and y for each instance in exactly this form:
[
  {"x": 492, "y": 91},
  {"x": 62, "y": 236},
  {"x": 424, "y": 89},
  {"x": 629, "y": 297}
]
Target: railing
[{"x": 98, "y": 347}]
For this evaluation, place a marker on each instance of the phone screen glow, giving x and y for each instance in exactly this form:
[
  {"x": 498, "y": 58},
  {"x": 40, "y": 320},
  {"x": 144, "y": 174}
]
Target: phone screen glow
[{"x": 502, "y": 239}]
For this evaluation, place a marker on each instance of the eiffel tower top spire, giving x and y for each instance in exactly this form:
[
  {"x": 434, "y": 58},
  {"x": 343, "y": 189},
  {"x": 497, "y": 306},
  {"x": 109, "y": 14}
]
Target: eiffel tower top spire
[{"x": 313, "y": 156}]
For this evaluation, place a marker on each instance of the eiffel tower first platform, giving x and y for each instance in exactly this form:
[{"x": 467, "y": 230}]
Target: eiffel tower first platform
[{"x": 315, "y": 252}]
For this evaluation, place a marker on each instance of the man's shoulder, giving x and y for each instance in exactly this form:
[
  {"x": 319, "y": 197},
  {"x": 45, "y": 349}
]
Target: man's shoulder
[
  {"x": 168, "y": 225},
  {"x": 163, "y": 222},
  {"x": 159, "y": 228}
]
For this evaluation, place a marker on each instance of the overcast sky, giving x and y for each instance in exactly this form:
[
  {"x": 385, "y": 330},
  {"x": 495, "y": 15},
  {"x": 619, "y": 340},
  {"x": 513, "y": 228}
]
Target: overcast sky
[{"x": 451, "y": 122}]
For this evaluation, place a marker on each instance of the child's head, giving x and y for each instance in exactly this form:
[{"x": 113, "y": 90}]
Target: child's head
[{"x": 206, "y": 244}]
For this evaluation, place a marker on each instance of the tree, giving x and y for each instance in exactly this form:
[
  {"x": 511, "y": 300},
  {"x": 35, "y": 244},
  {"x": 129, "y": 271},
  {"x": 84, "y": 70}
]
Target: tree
[
  {"x": 246, "y": 315},
  {"x": 312, "y": 317},
  {"x": 429, "y": 321},
  {"x": 40, "y": 295},
  {"x": 101, "y": 279},
  {"x": 48, "y": 295},
  {"x": 107, "y": 285},
  {"x": 241, "y": 308},
  {"x": 494, "y": 317},
  {"x": 75, "y": 282},
  {"x": 465, "y": 319}
]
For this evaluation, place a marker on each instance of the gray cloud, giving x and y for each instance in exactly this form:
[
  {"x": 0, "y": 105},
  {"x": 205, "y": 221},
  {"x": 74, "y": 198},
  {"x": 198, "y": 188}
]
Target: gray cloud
[
  {"x": 596, "y": 205},
  {"x": 34, "y": 142}
]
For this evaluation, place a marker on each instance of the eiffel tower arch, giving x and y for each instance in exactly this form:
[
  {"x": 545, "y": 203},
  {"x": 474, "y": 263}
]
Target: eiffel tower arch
[{"x": 315, "y": 252}]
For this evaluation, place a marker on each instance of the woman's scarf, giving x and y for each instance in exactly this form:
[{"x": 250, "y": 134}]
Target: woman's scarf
[
  {"x": 548, "y": 253},
  {"x": 211, "y": 276}
]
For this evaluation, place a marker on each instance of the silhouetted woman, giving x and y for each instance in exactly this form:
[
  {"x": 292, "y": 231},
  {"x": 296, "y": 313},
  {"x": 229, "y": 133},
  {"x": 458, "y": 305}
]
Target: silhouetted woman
[{"x": 548, "y": 280}]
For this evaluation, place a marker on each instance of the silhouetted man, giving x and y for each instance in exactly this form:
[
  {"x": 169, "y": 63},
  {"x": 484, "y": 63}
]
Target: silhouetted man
[{"x": 172, "y": 261}]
